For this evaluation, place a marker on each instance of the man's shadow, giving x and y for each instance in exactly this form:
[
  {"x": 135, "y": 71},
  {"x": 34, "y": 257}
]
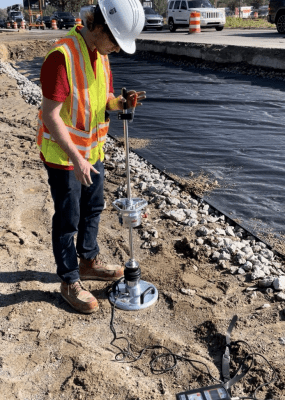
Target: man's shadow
[{"x": 34, "y": 295}]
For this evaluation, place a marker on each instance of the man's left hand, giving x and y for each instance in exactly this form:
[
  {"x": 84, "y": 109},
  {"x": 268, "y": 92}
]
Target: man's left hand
[{"x": 133, "y": 99}]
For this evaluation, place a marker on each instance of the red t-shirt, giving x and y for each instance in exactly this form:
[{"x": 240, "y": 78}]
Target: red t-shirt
[{"x": 55, "y": 84}]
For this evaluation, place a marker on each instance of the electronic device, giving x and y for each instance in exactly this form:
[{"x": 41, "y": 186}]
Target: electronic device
[{"x": 215, "y": 392}]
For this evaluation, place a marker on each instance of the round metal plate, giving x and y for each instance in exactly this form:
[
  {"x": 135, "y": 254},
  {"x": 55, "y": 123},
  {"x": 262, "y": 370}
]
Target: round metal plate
[{"x": 127, "y": 298}]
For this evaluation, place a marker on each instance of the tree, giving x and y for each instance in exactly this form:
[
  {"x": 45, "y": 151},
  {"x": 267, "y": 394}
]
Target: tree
[
  {"x": 3, "y": 13},
  {"x": 69, "y": 5},
  {"x": 160, "y": 6}
]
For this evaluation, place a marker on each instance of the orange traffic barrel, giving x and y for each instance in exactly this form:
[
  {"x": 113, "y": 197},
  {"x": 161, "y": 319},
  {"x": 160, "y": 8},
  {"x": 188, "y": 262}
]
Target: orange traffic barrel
[
  {"x": 15, "y": 26},
  {"x": 8, "y": 25},
  {"x": 78, "y": 21},
  {"x": 22, "y": 24},
  {"x": 53, "y": 24},
  {"x": 255, "y": 14},
  {"x": 194, "y": 26}
]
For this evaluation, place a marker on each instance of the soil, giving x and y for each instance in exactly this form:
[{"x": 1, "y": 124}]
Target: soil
[{"x": 49, "y": 351}]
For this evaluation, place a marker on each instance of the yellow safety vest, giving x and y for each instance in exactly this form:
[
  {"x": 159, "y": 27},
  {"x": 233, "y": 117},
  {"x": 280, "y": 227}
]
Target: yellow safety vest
[{"x": 86, "y": 103}]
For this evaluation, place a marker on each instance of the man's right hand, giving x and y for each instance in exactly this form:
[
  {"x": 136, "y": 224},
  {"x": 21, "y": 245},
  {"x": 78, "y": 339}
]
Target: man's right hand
[{"x": 82, "y": 171}]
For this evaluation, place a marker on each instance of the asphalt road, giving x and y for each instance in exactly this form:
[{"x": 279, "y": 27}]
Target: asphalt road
[{"x": 263, "y": 38}]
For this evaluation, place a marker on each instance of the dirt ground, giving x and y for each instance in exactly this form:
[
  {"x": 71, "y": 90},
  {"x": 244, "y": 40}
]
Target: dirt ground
[{"x": 49, "y": 351}]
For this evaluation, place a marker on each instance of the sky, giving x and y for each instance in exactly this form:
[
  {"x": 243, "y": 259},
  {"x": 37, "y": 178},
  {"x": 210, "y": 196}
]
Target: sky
[{"x": 6, "y": 3}]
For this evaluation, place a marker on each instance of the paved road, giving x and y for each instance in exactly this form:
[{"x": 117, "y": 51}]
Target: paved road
[{"x": 263, "y": 38}]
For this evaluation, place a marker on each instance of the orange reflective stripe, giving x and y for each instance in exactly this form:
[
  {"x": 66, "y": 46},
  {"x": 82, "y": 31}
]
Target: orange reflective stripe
[{"x": 79, "y": 86}]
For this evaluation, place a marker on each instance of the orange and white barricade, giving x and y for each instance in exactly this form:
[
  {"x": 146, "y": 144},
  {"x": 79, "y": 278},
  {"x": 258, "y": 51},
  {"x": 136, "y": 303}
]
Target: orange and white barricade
[
  {"x": 78, "y": 21},
  {"x": 194, "y": 26},
  {"x": 53, "y": 24},
  {"x": 22, "y": 24},
  {"x": 8, "y": 25},
  {"x": 15, "y": 26}
]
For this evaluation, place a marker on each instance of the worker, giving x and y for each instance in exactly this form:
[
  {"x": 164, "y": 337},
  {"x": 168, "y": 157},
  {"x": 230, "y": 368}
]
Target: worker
[{"x": 73, "y": 123}]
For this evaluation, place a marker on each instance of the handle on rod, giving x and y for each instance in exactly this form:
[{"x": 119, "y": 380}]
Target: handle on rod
[{"x": 125, "y": 95}]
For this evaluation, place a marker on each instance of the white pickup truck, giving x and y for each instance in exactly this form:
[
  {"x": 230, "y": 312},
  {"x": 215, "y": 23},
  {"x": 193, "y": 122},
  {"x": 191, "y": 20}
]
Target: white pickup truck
[{"x": 178, "y": 14}]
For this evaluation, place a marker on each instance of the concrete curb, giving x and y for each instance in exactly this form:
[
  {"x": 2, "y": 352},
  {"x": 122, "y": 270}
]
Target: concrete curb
[
  {"x": 223, "y": 54},
  {"x": 9, "y": 30}
]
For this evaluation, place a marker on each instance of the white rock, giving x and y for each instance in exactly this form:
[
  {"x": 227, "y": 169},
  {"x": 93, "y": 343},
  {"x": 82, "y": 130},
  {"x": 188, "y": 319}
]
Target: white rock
[
  {"x": 145, "y": 235},
  {"x": 177, "y": 215},
  {"x": 256, "y": 249},
  {"x": 203, "y": 231},
  {"x": 220, "y": 231},
  {"x": 199, "y": 241},
  {"x": 257, "y": 273},
  {"x": 247, "y": 266},
  {"x": 215, "y": 255},
  {"x": 229, "y": 231},
  {"x": 224, "y": 256},
  {"x": 191, "y": 222},
  {"x": 266, "y": 305},
  {"x": 143, "y": 185},
  {"x": 173, "y": 201},
  {"x": 267, "y": 254},
  {"x": 241, "y": 271},
  {"x": 190, "y": 213},
  {"x": 262, "y": 259},
  {"x": 233, "y": 270},
  {"x": 189, "y": 292},
  {"x": 162, "y": 205},
  {"x": 279, "y": 283},
  {"x": 280, "y": 296}
]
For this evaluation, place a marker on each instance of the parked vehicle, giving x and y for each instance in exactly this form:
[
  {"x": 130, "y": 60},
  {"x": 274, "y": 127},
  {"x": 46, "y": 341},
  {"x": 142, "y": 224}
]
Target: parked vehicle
[
  {"x": 152, "y": 19},
  {"x": 2, "y": 23},
  {"x": 63, "y": 19},
  {"x": 83, "y": 11},
  {"x": 276, "y": 14},
  {"x": 14, "y": 15},
  {"x": 178, "y": 14},
  {"x": 46, "y": 20},
  {"x": 262, "y": 11}
]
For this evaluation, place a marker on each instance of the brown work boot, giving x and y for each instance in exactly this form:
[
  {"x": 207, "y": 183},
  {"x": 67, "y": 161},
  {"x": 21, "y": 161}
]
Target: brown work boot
[
  {"x": 78, "y": 297},
  {"x": 98, "y": 270}
]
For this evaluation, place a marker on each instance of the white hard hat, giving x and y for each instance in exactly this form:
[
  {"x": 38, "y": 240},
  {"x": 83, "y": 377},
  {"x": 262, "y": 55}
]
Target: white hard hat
[{"x": 126, "y": 19}]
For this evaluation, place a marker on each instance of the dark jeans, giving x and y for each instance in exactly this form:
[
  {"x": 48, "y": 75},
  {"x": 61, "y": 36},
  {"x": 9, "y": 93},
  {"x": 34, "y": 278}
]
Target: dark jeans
[{"x": 77, "y": 210}]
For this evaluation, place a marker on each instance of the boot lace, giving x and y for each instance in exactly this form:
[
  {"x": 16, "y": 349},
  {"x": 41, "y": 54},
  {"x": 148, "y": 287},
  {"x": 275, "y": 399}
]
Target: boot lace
[{"x": 76, "y": 287}]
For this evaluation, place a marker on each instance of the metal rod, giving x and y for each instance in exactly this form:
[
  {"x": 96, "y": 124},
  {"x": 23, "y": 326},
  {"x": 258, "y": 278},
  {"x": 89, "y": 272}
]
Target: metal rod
[
  {"x": 131, "y": 244},
  {"x": 129, "y": 195}
]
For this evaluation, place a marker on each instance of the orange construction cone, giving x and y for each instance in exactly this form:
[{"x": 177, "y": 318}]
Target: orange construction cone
[
  {"x": 78, "y": 21},
  {"x": 194, "y": 26},
  {"x": 53, "y": 24}
]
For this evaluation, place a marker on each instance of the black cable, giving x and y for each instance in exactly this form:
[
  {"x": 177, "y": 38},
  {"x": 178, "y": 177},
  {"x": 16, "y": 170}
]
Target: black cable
[{"x": 129, "y": 353}]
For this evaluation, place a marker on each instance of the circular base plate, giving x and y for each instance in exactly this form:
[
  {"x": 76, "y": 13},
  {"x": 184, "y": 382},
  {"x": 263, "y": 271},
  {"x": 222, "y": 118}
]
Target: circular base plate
[{"x": 133, "y": 298}]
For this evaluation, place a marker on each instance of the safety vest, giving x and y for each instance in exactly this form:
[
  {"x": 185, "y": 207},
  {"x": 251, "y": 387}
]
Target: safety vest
[{"x": 85, "y": 104}]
